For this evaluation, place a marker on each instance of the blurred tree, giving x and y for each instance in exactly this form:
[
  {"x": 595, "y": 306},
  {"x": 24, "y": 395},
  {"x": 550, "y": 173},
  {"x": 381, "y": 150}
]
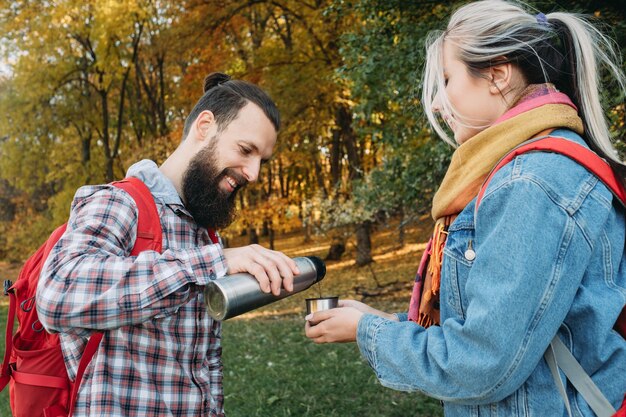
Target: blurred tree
[
  {"x": 90, "y": 87},
  {"x": 291, "y": 47},
  {"x": 383, "y": 59},
  {"x": 383, "y": 62},
  {"x": 67, "y": 95}
]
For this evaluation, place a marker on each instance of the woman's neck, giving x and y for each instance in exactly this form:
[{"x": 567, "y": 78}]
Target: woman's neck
[{"x": 533, "y": 96}]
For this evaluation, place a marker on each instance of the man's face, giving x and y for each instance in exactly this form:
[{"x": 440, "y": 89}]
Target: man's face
[{"x": 231, "y": 160}]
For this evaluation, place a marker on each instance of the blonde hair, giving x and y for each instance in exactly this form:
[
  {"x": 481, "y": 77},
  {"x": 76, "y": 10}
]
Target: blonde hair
[{"x": 560, "y": 48}]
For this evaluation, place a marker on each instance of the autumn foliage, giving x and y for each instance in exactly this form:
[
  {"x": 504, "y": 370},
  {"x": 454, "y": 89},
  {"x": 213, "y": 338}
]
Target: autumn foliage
[{"x": 89, "y": 87}]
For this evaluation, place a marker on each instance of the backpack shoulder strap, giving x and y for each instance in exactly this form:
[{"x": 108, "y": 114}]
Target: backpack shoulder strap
[
  {"x": 584, "y": 156},
  {"x": 5, "y": 374},
  {"x": 90, "y": 350},
  {"x": 149, "y": 231},
  {"x": 557, "y": 355},
  {"x": 149, "y": 237}
]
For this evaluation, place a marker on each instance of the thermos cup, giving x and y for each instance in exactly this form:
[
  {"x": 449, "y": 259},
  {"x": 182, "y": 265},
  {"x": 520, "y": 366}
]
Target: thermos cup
[
  {"x": 313, "y": 305},
  {"x": 239, "y": 293}
]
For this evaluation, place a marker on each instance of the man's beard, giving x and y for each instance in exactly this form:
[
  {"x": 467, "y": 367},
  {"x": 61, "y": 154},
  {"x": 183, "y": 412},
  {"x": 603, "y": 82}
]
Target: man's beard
[{"x": 210, "y": 206}]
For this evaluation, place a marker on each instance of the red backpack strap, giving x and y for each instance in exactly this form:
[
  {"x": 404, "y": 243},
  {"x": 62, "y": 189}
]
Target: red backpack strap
[
  {"x": 149, "y": 237},
  {"x": 213, "y": 236},
  {"x": 584, "y": 156},
  {"x": 85, "y": 359},
  {"x": 149, "y": 232},
  {"x": 5, "y": 375}
]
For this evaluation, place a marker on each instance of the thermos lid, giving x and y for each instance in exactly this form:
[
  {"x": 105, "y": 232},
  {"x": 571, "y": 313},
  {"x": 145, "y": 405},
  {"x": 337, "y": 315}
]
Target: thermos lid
[{"x": 320, "y": 266}]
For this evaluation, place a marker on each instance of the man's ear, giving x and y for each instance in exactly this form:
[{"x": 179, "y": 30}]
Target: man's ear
[
  {"x": 205, "y": 126},
  {"x": 501, "y": 77}
]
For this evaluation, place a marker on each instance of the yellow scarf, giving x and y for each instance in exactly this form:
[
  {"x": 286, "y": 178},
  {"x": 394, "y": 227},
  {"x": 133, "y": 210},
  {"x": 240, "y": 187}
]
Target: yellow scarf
[{"x": 470, "y": 165}]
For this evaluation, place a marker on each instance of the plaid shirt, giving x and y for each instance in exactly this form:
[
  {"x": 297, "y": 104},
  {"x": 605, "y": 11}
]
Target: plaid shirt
[{"x": 161, "y": 352}]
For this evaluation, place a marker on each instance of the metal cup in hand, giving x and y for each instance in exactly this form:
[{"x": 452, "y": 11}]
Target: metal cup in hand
[{"x": 319, "y": 304}]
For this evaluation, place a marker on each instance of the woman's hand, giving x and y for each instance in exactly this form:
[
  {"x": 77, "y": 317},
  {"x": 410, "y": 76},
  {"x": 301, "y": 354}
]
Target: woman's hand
[
  {"x": 339, "y": 324},
  {"x": 334, "y": 325},
  {"x": 364, "y": 308}
]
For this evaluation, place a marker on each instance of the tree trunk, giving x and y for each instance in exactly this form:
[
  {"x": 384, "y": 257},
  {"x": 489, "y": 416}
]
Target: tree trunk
[
  {"x": 335, "y": 158},
  {"x": 253, "y": 237},
  {"x": 337, "y": 248},
  {"x": 355, "y": 172},
  {"x": 265, "y": 230},
  {"x": 104, "y": 135},
  {"x": 319, "y": 176},
  {"x": 363, "y": 243},
  {"x": 86, "y": 150},
  {"x": 307, "y": 232},
  {"x": 282, "y": 179},
  {"x": 271, "y": 236},
  {"x": 401, "y": 229},
  {"x": 163, "y": 129}
]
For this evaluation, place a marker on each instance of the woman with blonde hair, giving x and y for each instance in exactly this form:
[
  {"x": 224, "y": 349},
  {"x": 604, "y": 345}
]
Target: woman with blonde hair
[{"x": 542, "y": 256}]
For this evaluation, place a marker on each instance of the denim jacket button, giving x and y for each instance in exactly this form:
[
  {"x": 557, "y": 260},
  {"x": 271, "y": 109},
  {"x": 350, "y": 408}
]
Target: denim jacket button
[{"x": 470, "y": 255}]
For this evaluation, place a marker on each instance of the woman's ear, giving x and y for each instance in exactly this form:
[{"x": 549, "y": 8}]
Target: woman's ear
[{"x": 501, "y": 77}]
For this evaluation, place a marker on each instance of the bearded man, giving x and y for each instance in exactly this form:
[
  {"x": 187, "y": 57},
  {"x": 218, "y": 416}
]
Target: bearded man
[{"x": 161, "y": 353}]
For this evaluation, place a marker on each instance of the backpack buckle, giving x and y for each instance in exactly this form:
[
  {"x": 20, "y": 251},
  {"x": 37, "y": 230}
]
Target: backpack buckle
[{"x": 7, "y": 286}]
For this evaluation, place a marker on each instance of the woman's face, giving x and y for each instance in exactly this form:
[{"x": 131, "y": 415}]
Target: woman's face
[{"x": 475, "y": 100}]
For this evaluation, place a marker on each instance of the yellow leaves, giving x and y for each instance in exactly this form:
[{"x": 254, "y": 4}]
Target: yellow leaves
[
  {"x": 280, "y": 213},
  {"x": 377, "y": 118},
  {"x": 76, "y": 56},
  {"x": 119, "y": 12},
  {"x": 65, "y": 21}
]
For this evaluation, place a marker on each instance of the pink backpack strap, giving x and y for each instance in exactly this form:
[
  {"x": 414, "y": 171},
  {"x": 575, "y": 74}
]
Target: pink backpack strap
[
  {"x": 583, "y": 156},
  {"x": 149, "y": 237}
]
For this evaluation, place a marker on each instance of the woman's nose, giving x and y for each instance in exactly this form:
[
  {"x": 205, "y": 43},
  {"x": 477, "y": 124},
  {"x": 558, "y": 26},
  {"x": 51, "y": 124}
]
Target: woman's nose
[{"x": 436, "y": 104}]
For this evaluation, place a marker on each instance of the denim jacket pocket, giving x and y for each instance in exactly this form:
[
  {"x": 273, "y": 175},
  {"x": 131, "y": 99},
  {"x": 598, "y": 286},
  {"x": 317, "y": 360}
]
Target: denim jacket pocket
[{"x": 459, "y": 255}]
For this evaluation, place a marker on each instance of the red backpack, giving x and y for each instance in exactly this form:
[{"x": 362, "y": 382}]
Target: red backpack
[
  {"x": 33, "y": 361},
  {"x": 558, "y": 355}
]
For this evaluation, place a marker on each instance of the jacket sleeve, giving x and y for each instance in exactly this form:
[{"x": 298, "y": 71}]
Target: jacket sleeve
[
  {"x": 90, "y": 281},
  {"x": 531, "y": 253}
]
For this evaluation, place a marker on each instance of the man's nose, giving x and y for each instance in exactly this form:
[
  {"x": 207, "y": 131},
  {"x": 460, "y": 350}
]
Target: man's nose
[{"x": 251, "y": 171}]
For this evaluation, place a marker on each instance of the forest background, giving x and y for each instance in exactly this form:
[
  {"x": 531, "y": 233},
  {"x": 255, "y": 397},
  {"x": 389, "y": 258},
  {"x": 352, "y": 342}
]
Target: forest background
[{"x": 89, "y": 87}]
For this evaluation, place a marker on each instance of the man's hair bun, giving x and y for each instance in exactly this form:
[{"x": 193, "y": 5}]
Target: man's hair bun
[
  {"x": 214, "y": 79},
  {"x": 226, "y": 101}
]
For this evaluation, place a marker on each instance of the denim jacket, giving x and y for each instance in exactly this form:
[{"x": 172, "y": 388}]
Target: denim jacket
[{"x": 549, "y": 244}]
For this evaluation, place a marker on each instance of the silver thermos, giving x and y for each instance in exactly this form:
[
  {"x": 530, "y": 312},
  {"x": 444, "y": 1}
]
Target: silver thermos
[{"x": 239, "y": 293}]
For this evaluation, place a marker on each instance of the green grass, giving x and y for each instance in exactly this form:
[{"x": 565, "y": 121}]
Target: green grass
[{"x": 272, "y": 370}]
